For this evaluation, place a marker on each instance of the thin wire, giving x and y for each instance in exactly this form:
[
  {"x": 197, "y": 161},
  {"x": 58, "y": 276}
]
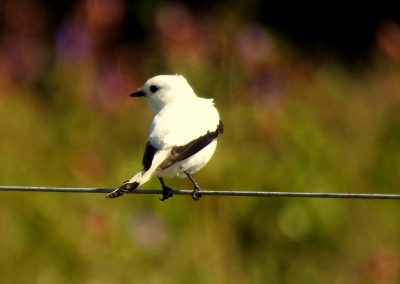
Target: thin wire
[{"x": 209, "y": 192}]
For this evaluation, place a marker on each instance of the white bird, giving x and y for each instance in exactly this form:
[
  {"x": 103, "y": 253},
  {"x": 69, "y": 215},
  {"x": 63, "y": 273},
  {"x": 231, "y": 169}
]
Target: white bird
[{"x": 183, "y": 134}]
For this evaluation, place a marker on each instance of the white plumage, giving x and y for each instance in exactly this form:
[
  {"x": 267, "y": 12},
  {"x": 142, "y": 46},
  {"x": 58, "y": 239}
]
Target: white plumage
[{"x": 182, "y": 136}]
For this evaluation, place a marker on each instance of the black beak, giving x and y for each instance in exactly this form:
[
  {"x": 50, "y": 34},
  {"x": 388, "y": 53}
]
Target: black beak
[{"x": 138, "y": 94}]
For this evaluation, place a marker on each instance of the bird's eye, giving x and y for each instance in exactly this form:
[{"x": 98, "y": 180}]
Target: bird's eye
[{"x": 154, "y": 88}]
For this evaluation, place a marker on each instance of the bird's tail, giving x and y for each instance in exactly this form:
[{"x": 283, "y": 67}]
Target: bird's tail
[
  {"x": 140, "y": 178},
  {"x": 130, "y": 185},
  {"x": 127, "y": 186}
]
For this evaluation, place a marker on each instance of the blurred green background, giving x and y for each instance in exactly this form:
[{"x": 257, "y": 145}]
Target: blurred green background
[{"x": 296, "y": 119}]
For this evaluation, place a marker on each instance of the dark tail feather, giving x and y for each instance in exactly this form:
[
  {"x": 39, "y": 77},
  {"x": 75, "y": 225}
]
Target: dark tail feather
[{"x": 125, "y": 188}]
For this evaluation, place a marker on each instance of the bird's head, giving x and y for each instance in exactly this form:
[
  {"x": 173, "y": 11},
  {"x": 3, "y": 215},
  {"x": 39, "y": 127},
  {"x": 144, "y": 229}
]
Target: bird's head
[{"x": 164, "y": 89}]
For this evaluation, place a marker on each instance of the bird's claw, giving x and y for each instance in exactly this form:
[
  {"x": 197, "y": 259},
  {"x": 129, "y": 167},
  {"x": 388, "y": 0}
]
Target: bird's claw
[
  {"x": 166, "y": 193},
  {"x": 195, "y": 194}
]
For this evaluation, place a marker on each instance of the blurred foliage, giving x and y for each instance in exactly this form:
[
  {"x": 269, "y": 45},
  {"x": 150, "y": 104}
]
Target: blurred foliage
[{"x": 292, "y": 124}]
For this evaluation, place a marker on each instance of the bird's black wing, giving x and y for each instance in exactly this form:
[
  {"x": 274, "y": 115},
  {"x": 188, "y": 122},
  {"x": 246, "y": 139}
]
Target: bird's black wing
[
  {"x": 148, "y": 156},
  {"x": 179, "y": 153}
]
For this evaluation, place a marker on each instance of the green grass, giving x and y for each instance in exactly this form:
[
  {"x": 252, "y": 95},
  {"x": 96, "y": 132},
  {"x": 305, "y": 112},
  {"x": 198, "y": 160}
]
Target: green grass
[{"x": 330, "y": 130}]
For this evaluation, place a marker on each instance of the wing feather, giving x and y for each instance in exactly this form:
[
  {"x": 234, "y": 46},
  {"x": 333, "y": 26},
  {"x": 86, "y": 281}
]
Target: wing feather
[
  {"x": 148, "y": 156},
  {"x": 180, "y": 153}
]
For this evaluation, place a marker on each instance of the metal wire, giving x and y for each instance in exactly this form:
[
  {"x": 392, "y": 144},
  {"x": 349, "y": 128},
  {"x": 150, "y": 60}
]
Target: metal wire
[{"x": 209, "y": 192}]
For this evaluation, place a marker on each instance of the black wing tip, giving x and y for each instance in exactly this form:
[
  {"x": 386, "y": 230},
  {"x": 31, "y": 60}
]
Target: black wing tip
[
  {"x": 220, "y": 127},
  {"x": 148, "y": 156}
]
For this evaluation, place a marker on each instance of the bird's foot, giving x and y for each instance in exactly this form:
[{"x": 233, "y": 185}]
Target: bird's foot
[
  {"x": 196, "y": 194},
  {"x": 166, "y": 193}
]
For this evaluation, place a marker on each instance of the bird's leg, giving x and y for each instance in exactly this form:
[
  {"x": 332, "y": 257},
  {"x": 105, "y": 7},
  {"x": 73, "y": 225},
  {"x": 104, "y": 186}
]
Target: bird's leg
[
  {"x": 195, "y": 195},
  {"x": 166, "y": 191}
]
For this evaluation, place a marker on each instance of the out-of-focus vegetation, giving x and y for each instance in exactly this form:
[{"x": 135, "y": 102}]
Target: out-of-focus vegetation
[{"x": 292, "y": 124}]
